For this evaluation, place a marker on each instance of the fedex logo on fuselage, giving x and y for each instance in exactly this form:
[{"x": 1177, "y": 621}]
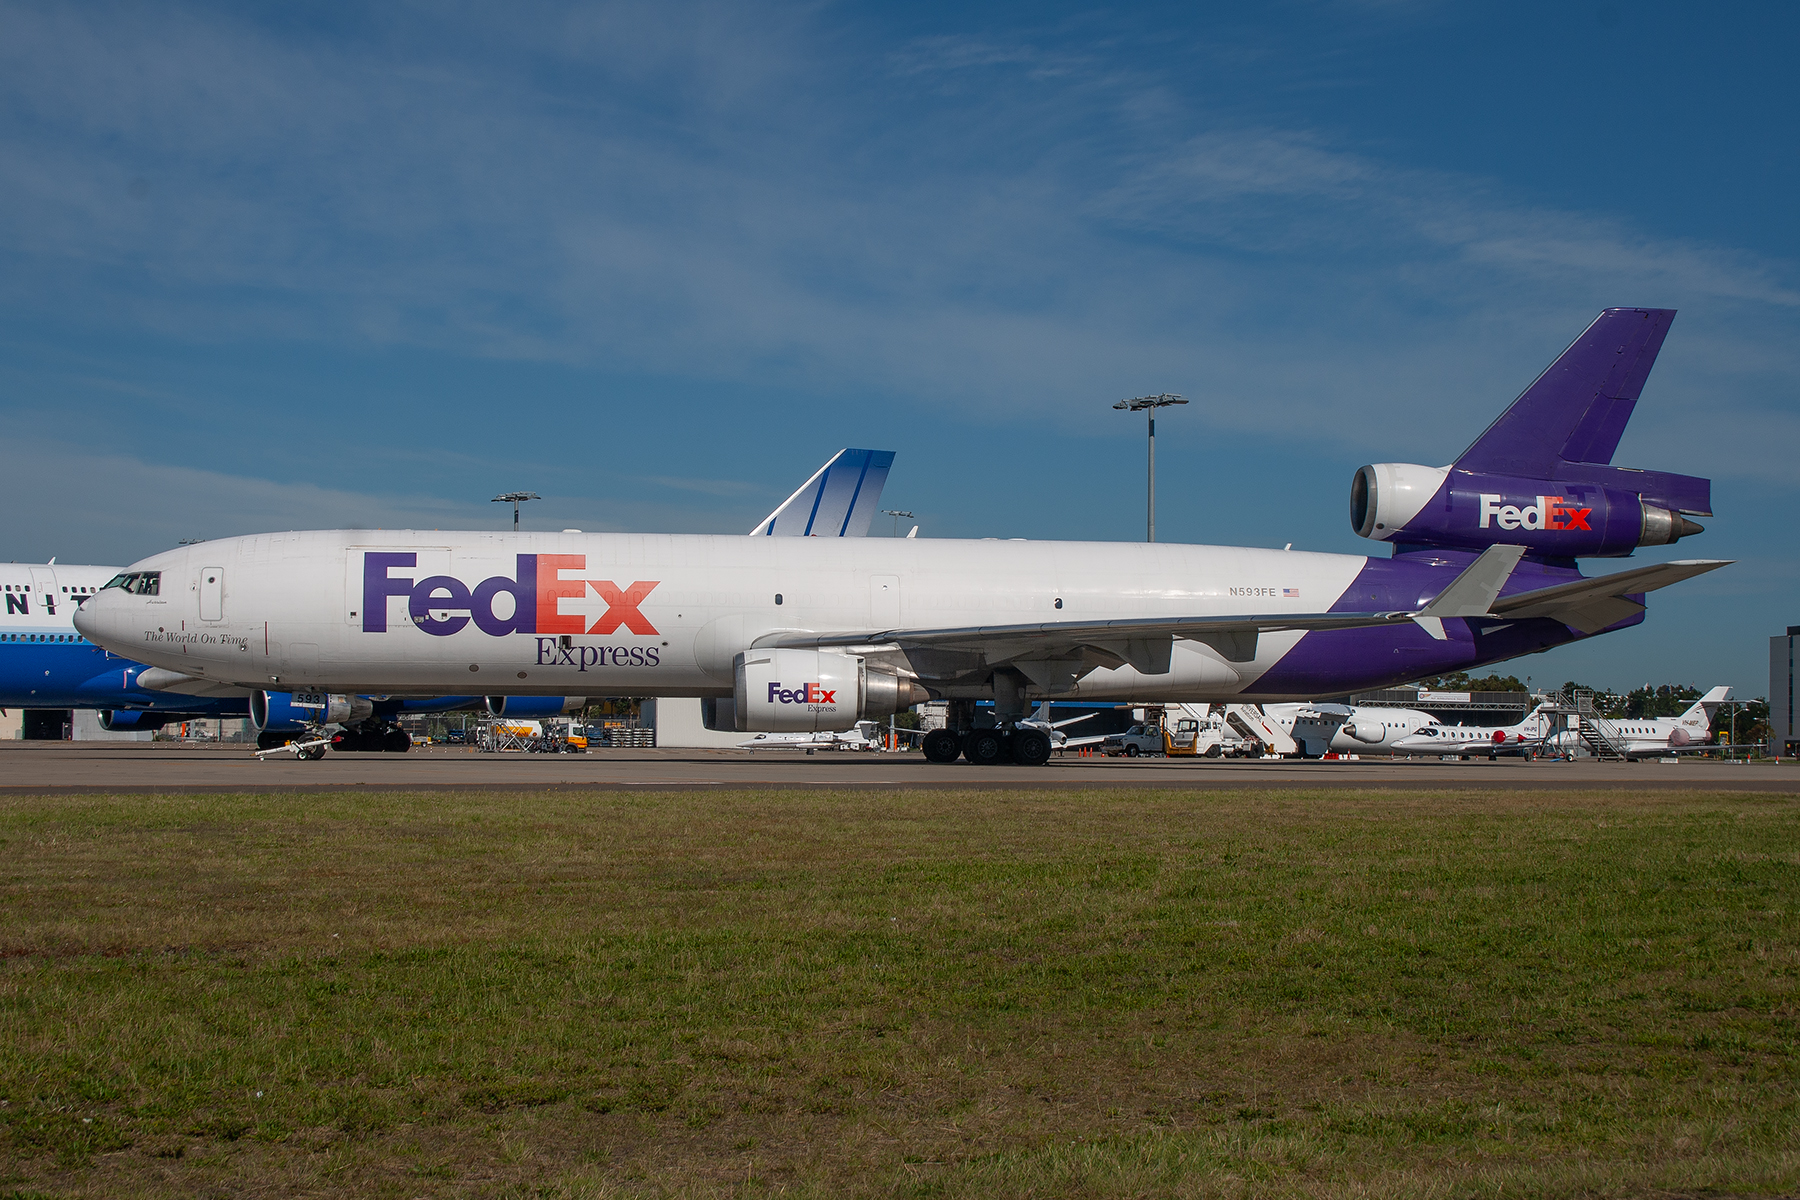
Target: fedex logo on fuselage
[
  {"x": 1550, "y": 512},
  {"x": 809, "y": 693},
  {"x": 536, "y": 587}
]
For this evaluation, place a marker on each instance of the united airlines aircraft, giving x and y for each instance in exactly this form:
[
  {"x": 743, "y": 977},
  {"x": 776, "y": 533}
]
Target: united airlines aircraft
[{"x": 803, "y": 634}]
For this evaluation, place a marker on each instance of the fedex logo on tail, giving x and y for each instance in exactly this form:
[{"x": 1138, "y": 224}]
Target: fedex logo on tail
[
  {"x": 536, "y": 587},
  {"x": 809, "y": 693},
  {"x": 1550, "y": 512}
]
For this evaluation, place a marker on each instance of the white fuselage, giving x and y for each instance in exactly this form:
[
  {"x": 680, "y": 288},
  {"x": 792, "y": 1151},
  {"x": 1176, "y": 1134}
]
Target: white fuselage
[
  {"x": 1645, "y": 737},
  {"x": 37, "y": 601},
  {"x": 1346, "y": 729},
  {"x": 1478, "y": 739},
  {"x": 663, "y": 614}
]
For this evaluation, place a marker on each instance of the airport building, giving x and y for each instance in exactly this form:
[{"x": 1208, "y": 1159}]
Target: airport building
[{"x": 1784, "y": 732}]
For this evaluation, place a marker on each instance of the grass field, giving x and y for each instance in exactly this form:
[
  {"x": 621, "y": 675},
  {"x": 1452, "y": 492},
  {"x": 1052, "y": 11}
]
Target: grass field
[{"x": 936, "y": 994}]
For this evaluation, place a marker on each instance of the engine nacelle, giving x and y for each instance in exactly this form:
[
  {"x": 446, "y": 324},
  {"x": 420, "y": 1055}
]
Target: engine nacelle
[
  {"x": 1366, "y": 731},
  {"x": 1445, "y": 507},
  {"x": 277, "y": 712},
  {"x": 534, "y": 706},
  {"x": 814, "y": 691},
  {"x": 129, "y": 720}
]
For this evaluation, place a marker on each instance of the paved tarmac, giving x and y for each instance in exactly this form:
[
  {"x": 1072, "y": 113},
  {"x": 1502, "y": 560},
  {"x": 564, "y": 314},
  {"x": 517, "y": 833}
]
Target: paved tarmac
[{"x": 38, "y": 767}]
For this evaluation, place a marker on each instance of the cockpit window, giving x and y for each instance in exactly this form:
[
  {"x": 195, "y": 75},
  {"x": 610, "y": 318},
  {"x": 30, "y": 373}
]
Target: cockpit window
[{"x": 138, "y": 583}]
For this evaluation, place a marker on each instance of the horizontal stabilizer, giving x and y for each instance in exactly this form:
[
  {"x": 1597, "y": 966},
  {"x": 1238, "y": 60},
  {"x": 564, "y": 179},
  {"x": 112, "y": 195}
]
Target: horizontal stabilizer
[
  {"x": 838, "y": 501},
  {"x": 1590, "y": 605},
  {"x": 1472, "y": 593}
]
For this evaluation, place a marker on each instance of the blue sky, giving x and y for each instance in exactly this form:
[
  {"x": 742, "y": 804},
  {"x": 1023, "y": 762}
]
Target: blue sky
[{"x": 371, "y": 265}]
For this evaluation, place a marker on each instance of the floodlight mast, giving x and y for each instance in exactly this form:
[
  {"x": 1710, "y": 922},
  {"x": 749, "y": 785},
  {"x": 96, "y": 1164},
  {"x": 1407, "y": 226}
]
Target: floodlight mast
[
  {"x": 897, "y": 513},
  {"x": 1149, "y": 404},
  {"x": 514, "y": 498}
]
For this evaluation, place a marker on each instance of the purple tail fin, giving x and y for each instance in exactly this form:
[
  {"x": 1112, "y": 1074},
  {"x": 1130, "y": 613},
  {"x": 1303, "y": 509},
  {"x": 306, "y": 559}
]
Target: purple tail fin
[{"x": 1567, "y": 424}]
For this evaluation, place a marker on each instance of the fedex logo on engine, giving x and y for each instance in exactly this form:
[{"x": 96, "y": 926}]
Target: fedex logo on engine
[
  {"x": 810, "y": 693},
  {"x": 443, "y": 604},
  {"x": 1550, "y": 512}
]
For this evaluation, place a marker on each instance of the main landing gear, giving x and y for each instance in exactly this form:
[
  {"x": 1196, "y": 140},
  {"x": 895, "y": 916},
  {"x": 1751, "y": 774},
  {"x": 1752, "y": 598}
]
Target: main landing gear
[{"x": 989, "y": 747}]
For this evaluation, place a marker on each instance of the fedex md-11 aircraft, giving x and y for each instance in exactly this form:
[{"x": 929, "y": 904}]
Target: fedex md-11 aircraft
[{"x": 802, "y": 634}]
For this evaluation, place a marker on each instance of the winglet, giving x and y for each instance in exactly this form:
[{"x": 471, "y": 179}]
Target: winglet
[{"x": 1472, "y": 593}]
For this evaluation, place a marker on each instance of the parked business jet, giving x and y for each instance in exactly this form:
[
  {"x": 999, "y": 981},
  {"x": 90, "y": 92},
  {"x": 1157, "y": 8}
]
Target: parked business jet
[
  {"x": 863, "y": 736},
  {"x": 1655, "y": 737},
  {"x": 1469, "y": 741},
  {"x": 792, "y": 635},
  {"x": 1320, "y": 729}
]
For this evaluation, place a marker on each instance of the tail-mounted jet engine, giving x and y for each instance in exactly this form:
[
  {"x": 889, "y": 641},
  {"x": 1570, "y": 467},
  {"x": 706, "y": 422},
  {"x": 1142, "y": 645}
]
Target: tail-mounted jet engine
[
  {"x": 1416, "y": 506},
  {"x": 534, "y": 706},
  {"x": 276, "y": 712},
  {"x": 812, "y": 691}
]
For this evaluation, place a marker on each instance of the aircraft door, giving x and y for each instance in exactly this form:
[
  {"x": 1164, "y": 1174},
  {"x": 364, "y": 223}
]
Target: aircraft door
[
  {"x": 212, "y": 593},
  {"x": 43, "y": 582},
  {"x": 884, "y": 601}
]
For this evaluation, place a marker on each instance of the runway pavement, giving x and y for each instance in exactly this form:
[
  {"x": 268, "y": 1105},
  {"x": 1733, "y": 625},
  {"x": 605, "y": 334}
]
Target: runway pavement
[{"x": 38, "y": 767}]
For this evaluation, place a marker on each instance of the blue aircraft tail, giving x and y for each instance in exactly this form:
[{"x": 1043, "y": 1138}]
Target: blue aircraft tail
[{"x": 838, "y": 501}]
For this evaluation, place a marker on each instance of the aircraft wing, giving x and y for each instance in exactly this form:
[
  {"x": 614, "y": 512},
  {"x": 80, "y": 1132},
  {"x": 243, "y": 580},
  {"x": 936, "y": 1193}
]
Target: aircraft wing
[
  {"x": 1590, "y": 605},
  {"x": 1145, "y": 642}
]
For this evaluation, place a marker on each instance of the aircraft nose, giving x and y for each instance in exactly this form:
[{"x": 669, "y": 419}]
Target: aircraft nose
[
  {"x": 98, "y": 619},
  {"x": 85, "y": 623}
]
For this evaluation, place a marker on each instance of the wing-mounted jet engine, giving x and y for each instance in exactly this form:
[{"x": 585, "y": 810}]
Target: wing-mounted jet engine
[
  {"x": 1541, "y": 475},
  {"x": 809, "y": 691}
]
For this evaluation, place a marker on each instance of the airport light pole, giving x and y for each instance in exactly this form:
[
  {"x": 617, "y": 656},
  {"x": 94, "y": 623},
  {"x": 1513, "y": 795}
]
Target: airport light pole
[
  {"x": 1149, "y": 404},
  {"x": 513, "y": 498},
  {"x": 897, "y": 513}
]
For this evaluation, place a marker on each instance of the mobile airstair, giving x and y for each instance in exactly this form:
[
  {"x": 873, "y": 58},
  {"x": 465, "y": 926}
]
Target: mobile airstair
[
  {"x": 1577, "y": 713},
  {"x": 1251, "y": 722}
]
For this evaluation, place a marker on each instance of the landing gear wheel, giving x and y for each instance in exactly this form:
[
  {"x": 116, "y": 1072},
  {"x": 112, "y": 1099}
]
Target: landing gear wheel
[
  {"x": 942, "y": 746},
  {"x": 313, "y": 753},
  {"x": 396, "y": 741},
  {"x": 1031, "y": 747},
  {"x": 985, "y": 747}
]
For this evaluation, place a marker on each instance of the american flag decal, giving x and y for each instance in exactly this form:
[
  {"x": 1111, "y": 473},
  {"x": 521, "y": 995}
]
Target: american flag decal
[{"x": 1290, "y": 593}]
